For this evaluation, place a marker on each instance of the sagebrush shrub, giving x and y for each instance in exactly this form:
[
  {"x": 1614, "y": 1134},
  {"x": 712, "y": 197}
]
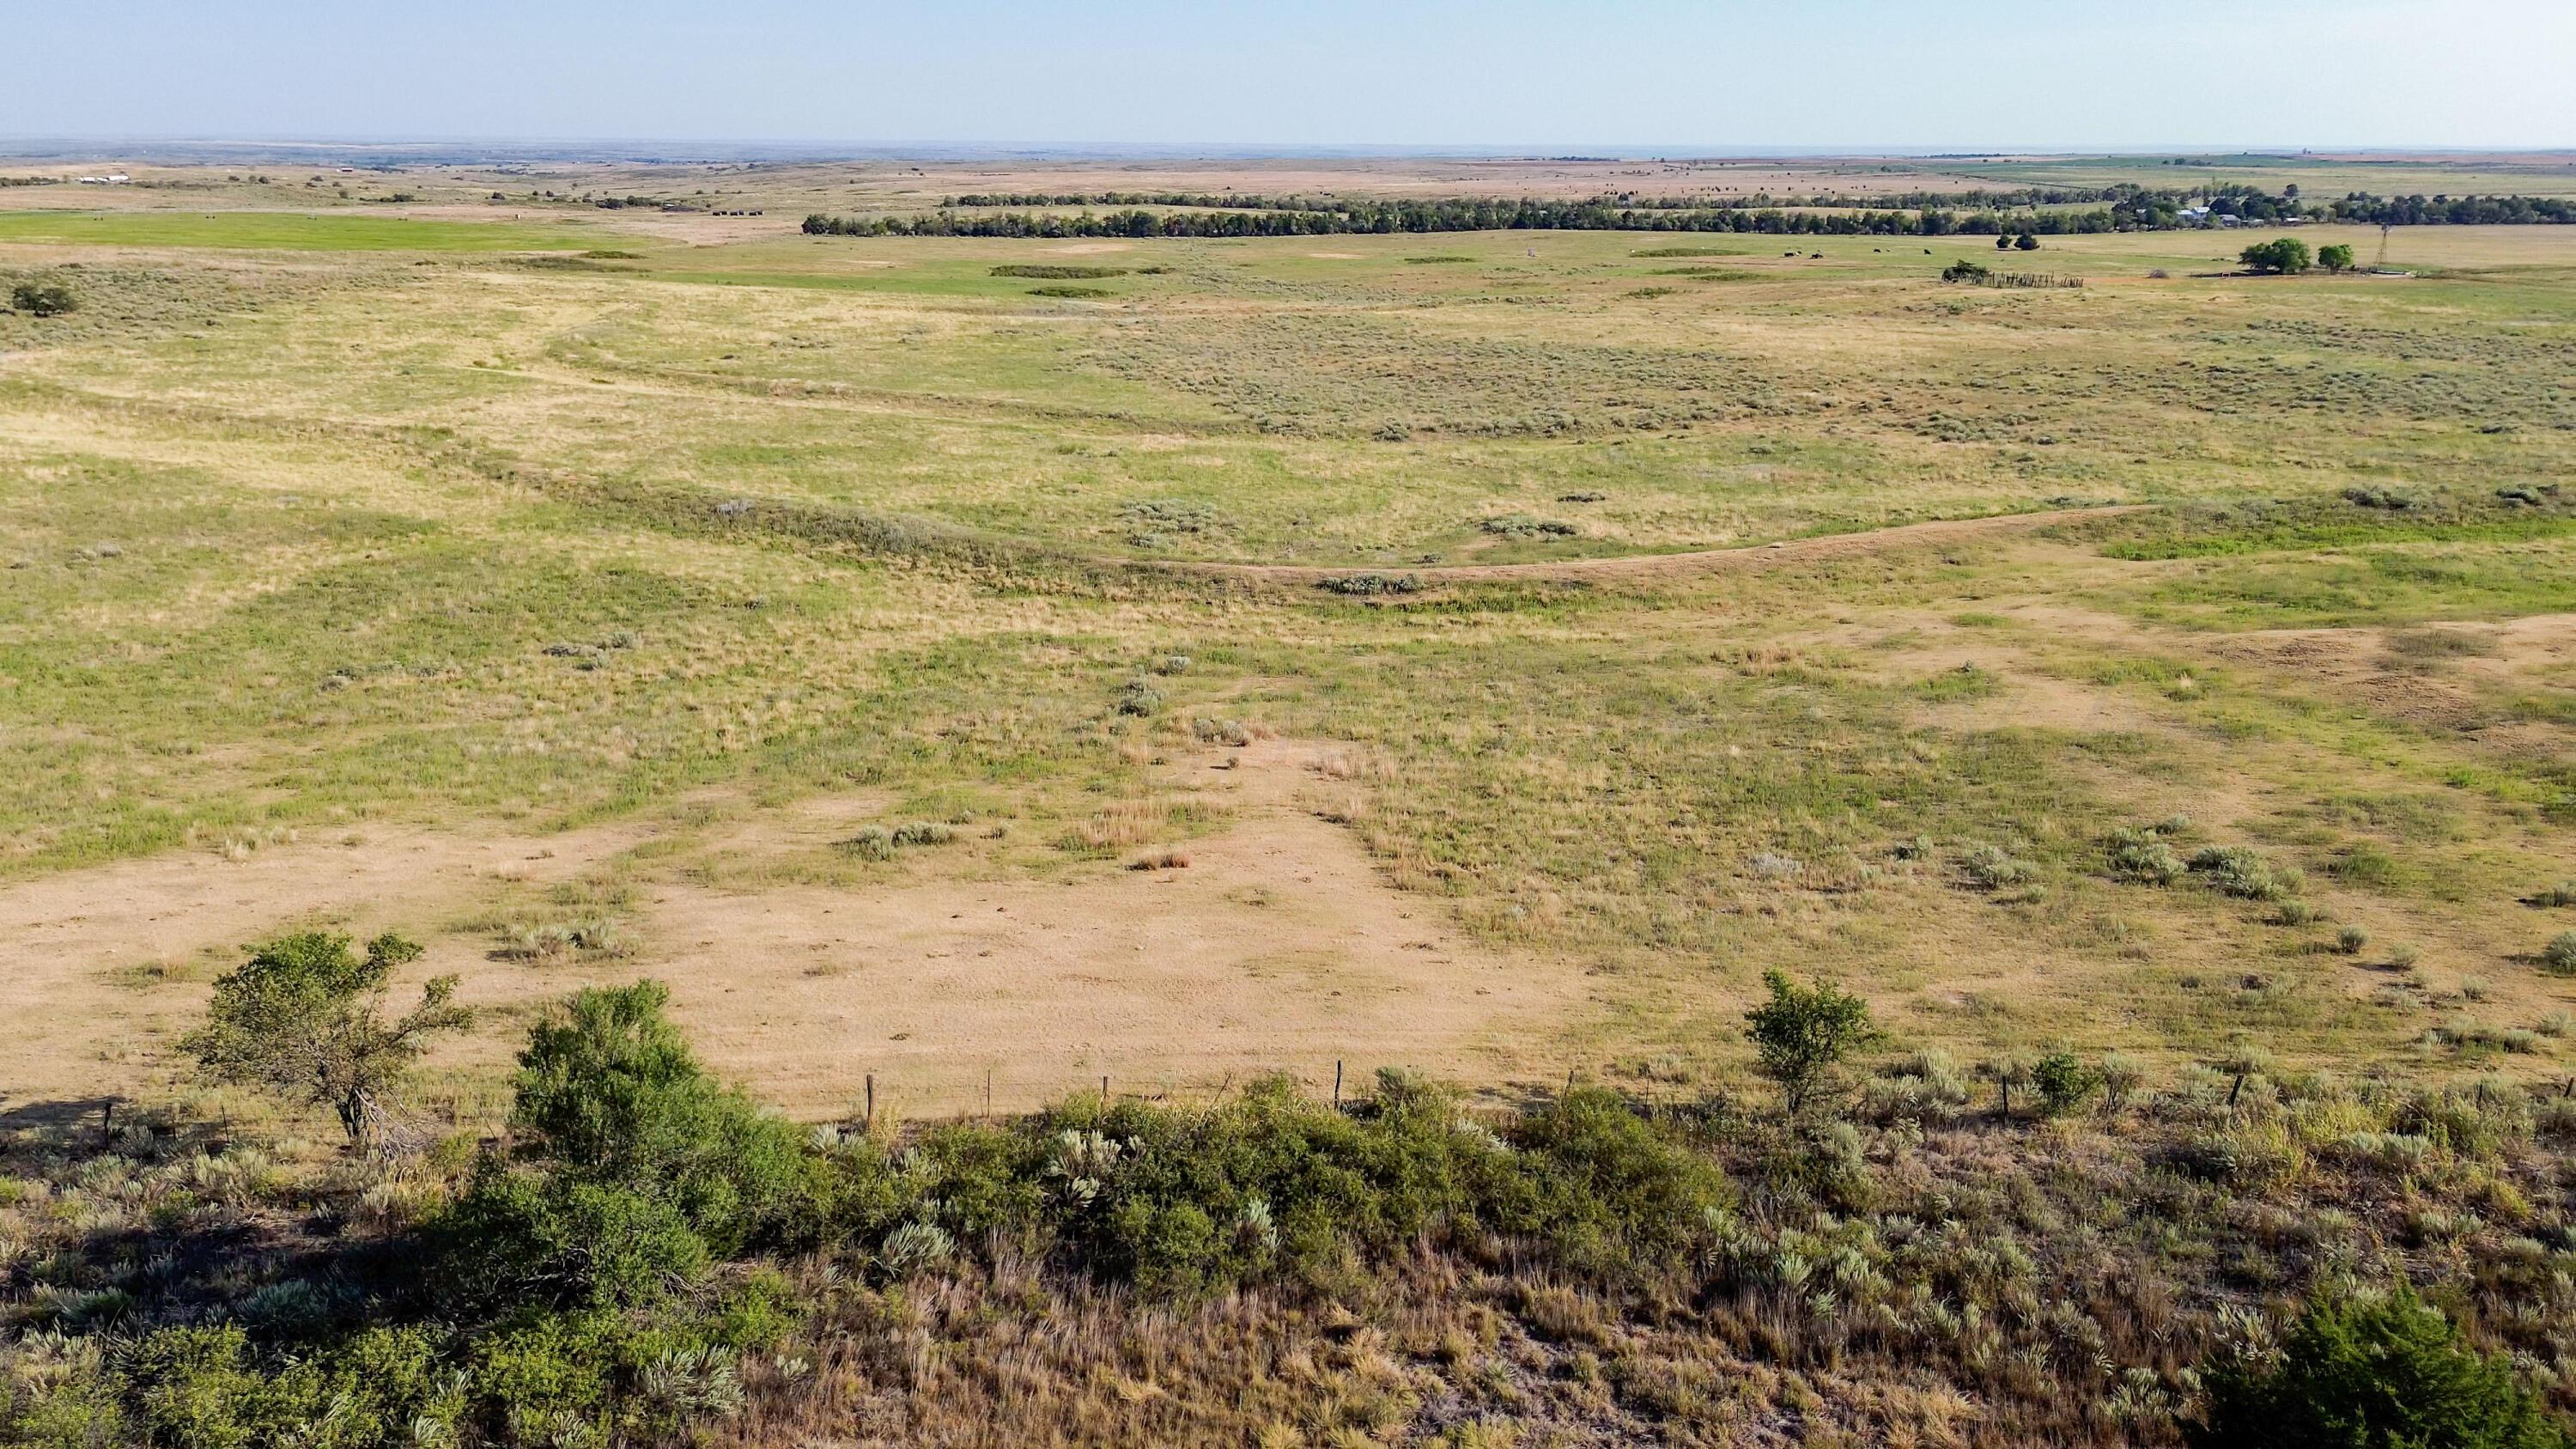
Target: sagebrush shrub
[
  {"x": 2142, "y": 856},
  {"x": 2558, "y": 958},
  {"x": 1991, "y": 867},
  {"x": 2242, "y": 872}
]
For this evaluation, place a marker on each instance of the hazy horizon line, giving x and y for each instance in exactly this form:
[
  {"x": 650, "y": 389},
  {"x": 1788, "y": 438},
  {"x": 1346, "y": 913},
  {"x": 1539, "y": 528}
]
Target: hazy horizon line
[{"x": 29, "y": 145}]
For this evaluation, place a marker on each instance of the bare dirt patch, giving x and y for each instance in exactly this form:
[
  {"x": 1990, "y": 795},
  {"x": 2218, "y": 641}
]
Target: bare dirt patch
[
  {"x": 2437, "y": 676},
  {"x": 2038, "y": 701},
  {"x": 1277, "y": 946},
  {"x": 113, "y": 960}
]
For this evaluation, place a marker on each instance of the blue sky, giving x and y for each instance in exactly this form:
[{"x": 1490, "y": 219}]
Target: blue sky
[{"x": 1511, "y": 73}]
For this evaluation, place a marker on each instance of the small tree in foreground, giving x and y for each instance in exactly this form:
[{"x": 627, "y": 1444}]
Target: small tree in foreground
[
  {"x": 2336, "y": 258},
  {"x": 303, "y": 1018},
  {"x": 1803, "y": 1032},
  {"x": 2064, "y": 1082},
  {"x": 2391, "y": 1374},
  {"x": 2285, "y": 255}
]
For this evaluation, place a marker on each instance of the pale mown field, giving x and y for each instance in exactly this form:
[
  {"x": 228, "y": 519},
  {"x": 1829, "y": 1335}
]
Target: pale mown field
[{"x": 597, "y": 616}]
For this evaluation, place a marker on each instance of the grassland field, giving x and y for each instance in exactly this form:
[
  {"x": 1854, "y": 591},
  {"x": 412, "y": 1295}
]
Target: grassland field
[
  {"x": 978, "y": 675},
  {"x": 324, "y": 526}
]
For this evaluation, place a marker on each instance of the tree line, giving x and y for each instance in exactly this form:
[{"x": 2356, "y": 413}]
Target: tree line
[
  {"x": 1458, "y": 215},
  {"x": 2129, "y": 205},
  {"x": 1206, "y": 199},
  {"x": 1625, "y": 200},
  {"x": 2128, "y": 208}
]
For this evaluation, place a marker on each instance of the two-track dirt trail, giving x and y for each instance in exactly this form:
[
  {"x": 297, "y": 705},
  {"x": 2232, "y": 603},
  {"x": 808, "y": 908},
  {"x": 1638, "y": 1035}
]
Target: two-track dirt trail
[{"x": 1651, "y": 566}]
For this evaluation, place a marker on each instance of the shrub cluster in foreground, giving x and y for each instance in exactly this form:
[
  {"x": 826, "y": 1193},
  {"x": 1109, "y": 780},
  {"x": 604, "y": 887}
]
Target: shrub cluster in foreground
[{"x": 647, "y": 1256}]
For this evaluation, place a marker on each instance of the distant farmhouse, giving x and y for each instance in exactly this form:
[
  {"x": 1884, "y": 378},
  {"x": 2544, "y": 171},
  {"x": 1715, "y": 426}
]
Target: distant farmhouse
[{"x": 2204, "y": 216}]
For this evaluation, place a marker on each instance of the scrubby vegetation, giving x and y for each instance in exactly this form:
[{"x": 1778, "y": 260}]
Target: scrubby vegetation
[
  {"x": 645, "y": 1256},
  {"x": 44, "y": 297}
]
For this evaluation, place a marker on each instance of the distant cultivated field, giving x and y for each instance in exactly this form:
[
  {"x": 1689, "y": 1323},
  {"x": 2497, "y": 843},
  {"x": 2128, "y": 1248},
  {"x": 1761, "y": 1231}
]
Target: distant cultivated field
[{"x": 482, "y": 595}]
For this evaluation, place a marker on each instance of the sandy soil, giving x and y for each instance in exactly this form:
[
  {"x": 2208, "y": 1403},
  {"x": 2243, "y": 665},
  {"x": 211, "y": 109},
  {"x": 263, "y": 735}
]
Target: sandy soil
[
  {"x": 1278, "y": 946},
  {"x": 2384, "y": 670},
  {"x": 114, "y": 960}
]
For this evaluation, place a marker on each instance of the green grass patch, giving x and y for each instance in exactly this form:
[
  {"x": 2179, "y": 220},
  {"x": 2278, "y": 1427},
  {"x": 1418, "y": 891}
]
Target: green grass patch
[
  {"x": 285, "y": 231},
  {"x": 1054, "y": 273}
]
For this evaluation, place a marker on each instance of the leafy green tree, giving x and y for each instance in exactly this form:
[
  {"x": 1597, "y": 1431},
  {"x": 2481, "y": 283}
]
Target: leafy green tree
[
  {"x": 2003, "y": 241},
  {"x": 2336, "y": 258},
  {"x": 303, "y": 1018},
  {"x": 2286, "y": 255},
  {"x": 2390, "y": 1374},
  {"x": 2027, "y": 241},
  {"x": 1802, "y": 1033}
]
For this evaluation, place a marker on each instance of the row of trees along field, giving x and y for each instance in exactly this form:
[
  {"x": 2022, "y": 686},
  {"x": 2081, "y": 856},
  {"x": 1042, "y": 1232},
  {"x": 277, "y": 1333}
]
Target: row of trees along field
[
  {"x": 2047, "y": 212},
  {"x": 1454, "y": 215}
]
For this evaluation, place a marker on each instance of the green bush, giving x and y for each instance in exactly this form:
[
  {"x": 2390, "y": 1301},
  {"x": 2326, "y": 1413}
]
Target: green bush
[
  {"x": 2064, "y": 1083},
  {"x": 1274, "y": 1185},
  {"x": 2385, "y": 1375},
  {"x": 1803, "y": 1033},
  {"x": 634, "y": 1170},
  {"x": 43, "y": 298},
  {"x": 1613, "y": 1193},
  {"x": 205, "y": 1386}
]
